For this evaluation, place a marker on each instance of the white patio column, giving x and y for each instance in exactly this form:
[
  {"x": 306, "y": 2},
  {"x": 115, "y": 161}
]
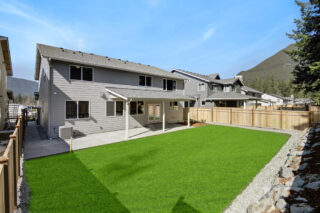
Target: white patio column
[
  {"x": 244, "y": 104},
  {"x": 163, "y": 116},
  {"x": 127, "y": 120},
  {"x": 188, "y": 113}
]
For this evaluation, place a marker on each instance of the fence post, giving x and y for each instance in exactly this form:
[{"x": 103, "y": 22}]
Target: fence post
[
  {"x": 230, "y": 115},
  {"x": 15, "y": 165},
  {"x": 310, "y": 117},
  {"x": 266, "y": 117},
  {"x": 197, "y": 113},
  {"x": 280, "y": 119},
  {"x": 252, "y": 118},
  {"x": 5, "y": 162}
]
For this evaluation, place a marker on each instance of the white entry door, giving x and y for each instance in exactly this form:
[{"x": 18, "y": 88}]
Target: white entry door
[{"x": 154, "y": 113}]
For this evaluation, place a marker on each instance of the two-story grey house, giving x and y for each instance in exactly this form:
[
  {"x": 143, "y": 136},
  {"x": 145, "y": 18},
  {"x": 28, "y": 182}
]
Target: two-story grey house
[
  {"x": 211, "y": 91},
  {"x": 94, "y": 93}
]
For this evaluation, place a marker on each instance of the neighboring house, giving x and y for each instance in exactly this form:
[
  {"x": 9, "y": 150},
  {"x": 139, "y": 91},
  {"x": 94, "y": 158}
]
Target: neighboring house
[
  {"x": 5, "y": 70},
  {"x": 94, "y": 93},
  {"x": 211, "y": 91},
  {"x": 275, "y": 99}
]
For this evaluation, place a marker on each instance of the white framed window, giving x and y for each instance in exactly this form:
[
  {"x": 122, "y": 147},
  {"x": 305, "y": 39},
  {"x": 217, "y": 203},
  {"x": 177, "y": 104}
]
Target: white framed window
[
  {"x": 114, "y": 108},
  {"x": 201, "y": 87},
  {"x": 169, "y": 85},
  {"x": 77, "y": 109},
  {"x": 145, "y": 80},
  {"x": 83, "y": 73},
  {"x": 136, "y": 108}
]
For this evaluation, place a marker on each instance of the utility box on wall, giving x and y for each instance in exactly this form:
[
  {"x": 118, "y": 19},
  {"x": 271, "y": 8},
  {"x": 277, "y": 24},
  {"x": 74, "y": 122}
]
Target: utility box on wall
[{"x": 65, "y": 132}]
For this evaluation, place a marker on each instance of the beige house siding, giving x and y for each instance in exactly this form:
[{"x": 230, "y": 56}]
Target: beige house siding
[{"x": 3, "y": 91}]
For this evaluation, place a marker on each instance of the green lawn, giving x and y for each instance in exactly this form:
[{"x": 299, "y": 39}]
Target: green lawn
[{"x": 189, "y": 171}]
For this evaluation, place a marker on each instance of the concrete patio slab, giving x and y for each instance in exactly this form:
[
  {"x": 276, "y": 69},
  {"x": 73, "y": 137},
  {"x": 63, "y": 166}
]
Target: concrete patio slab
[
  {"x": 37, "y": 144},
  {"x": 99, "y": 139}
]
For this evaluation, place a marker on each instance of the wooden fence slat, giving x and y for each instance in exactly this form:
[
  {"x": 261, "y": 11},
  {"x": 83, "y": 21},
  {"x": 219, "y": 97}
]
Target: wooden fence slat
[{"x": 279, "y": 119}]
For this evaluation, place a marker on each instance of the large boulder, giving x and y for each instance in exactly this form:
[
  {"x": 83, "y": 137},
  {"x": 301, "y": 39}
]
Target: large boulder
[{"x": 285, "y": 172}]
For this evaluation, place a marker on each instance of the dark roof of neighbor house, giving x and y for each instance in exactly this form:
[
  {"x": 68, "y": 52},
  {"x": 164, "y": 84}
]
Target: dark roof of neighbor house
[
  {"x": 61, "y": 54},
  {"x": 215, "y": 78},
  {"x": 4, "y": 42},
  {"x": 141, "y": 94},
  {"x": 249, "y": 89},
  {"x": 230, "y": 96},
  {"x": 207, "y": 78}
]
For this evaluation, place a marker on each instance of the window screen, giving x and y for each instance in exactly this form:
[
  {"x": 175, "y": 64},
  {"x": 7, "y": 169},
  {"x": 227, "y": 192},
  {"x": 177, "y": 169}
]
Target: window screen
[
  {"x": 140, "y": 107},
  {"x": 142, "y": 80},
  {"x": 83, "y": 109},
  {"x": 133, "y": 108},
  {"x": 148, "y": 81},
  {"x": 110, "y": 108},
  {"x": 119, "y": 108},
  {"x": 87, "y": 74},
  {"x": 75, "y": 72},
  {"x": 71, "y": 109}
]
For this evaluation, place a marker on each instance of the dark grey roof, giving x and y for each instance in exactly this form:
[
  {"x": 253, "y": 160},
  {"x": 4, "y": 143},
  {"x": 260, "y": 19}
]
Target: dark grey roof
[
  {"x": 72, "y": 56},
  {"x": 207, "y": 78},
  {"x": 249, "y": 89},
  {"x": 141, "y": 94},
  {"x": 230, "y": 96}
]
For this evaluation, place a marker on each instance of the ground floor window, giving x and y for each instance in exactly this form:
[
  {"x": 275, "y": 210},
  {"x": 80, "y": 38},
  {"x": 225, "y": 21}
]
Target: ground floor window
[
  {"x": 77, "y": 109},
  {"x": 136, "y": 107},
  {"x": 114, "y": 108}
]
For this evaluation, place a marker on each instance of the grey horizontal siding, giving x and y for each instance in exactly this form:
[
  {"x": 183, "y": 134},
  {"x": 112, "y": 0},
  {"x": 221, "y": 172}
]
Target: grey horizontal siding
[{"x": 63, "y": 89}]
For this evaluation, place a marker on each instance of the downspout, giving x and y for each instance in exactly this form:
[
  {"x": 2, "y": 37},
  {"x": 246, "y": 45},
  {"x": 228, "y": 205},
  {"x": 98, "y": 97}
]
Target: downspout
[{"x": 49, "y": 98}]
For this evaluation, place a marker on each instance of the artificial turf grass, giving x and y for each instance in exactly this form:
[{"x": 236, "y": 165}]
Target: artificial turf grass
[{"x": 196, "y": 170}]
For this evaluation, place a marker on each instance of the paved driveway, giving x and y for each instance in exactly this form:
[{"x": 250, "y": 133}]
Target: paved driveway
[{"x": 37, "y": 144}]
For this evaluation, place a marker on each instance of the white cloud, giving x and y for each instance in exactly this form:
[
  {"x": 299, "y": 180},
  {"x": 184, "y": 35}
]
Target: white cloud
[{"x": 208, "y": 34}]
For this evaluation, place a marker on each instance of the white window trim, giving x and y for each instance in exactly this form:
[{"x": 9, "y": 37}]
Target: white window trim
[
  {"x": 115, "y": 107},
  {"x": 145, "y": 81},
  {"x": 77, "y": 101},
  {"x": 166, "y": 80},
  {"x": 81, "y": 73}
]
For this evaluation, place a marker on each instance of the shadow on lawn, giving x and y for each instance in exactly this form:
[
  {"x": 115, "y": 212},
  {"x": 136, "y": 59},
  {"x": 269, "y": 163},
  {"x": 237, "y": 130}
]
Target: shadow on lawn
[
  {"x": 64, "y": 184},
  {"x": 183, "y": 207},
  {"x": 128, "y": 166}
]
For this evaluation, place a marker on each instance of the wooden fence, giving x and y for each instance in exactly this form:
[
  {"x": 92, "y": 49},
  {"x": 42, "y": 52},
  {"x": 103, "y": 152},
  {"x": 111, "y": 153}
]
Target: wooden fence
[
  {"x": 279, "y": 119},
  {"x": 10, "y": 169}
]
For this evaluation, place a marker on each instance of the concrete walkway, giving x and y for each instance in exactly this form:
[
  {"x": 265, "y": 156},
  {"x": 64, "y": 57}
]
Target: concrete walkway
[
  {"x": 38, "y": 145},
  {"x": 99, "y": 139}
]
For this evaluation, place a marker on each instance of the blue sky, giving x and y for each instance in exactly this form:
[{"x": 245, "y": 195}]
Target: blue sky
[{"x": 210, "y": 36}]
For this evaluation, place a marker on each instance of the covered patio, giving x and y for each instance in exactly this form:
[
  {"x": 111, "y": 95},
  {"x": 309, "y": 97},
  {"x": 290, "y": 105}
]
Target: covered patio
[{"x": 158, "y": 101}]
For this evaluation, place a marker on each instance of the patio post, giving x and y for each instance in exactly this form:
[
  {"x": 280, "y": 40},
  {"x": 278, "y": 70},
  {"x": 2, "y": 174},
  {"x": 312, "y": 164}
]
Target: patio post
[
  {"x": 163, "y": 116},
  {"x": 127, "y": 120},
  {"x": 188, "y": 113},
  {"x": 244, "y": 104}
]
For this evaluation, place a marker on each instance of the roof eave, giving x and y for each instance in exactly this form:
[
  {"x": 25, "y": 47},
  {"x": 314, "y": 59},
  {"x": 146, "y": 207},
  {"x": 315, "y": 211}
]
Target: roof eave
[{"x": 6, "y": 54}]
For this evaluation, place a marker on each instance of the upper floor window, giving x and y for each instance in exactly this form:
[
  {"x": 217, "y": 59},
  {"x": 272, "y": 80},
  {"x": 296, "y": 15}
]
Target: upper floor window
[
  {"x": 81, "y": 73},
  {"x": 201, "y": 87},
  {"x": 145, "y": 81},
  {"x": 169, "y": 85}
]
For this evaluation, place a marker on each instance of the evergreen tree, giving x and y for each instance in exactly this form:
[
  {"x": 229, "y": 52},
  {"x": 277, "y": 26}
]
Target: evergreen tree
[{"x": 307, "y": 53}]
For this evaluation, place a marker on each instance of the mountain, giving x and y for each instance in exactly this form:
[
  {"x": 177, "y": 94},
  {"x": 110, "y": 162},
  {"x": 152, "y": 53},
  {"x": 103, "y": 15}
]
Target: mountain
[
  {"x": 280, "y": 66},
  {"x": 21, "y": 86}
]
